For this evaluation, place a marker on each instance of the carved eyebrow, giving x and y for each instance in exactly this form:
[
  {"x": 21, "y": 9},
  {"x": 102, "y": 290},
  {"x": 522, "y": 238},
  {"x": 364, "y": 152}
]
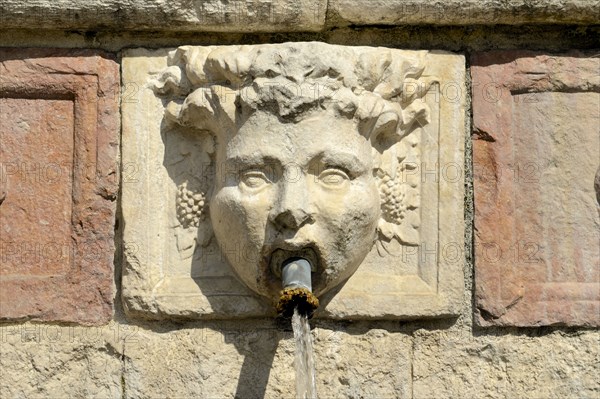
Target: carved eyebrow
[
  {"x": 252, "y": 160},
  {"x": 342, "y": 159},
  {"x": 335, "y": 158}
]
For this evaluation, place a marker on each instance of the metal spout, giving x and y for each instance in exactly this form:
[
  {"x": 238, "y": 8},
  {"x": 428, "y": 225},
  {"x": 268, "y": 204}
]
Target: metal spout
[
  {"x": 297, "y": 288},
  {"x": 295, "y": 273}
]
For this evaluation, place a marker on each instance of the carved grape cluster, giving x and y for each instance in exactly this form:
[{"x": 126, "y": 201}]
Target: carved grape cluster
[
  {"x": 392, "y": 195},
  {"x": 191, "y": 206}
]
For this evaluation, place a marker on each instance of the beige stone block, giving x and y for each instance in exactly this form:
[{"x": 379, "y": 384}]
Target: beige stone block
[
  {"x": 454, "y": 12},
  {"x": 256, "y": 360},
  {"x": 411, "y": 205},
  {"x": 536, "y": 153},
  {"x": 556, "y": 365},
  {"x": 160, "y": 15},
  {"x": 284, "y": 15},
  {"x": 51, "y": 361}
]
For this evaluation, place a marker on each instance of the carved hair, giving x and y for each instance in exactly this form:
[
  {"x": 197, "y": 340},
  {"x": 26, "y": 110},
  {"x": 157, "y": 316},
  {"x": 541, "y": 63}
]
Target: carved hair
[{"x": 218, "y": 88}]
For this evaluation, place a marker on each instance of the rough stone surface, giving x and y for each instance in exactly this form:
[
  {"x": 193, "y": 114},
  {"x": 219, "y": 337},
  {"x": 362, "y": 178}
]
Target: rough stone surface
[
  {"x": 555, "y": 365},
  {"x": 59, "y": 134},
  {"x": 167, "y": 15},
  {"x": 50, "y": 361},
  {"x": 35, "y": 183},
  {"x": 190, "y": 170},
  {"x": 256, "y": 360},
  {"x": 536, "y": 152},
  {"x": 285, "y": 15},
  {"x": 472, "y": 363},
  {"x": 454, "y": 12}
]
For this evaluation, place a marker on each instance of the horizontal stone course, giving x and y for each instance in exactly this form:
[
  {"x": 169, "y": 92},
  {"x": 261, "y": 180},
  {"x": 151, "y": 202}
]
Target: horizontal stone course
[
  {"x": 160, "y": 15},
  {"x": 470, "y": 12},
  {"x": 285, "y": 15},
  {"x": 451, "y": 364}
]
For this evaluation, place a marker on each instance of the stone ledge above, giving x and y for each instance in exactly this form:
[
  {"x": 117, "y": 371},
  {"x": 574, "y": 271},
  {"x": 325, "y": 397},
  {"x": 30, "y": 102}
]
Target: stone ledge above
[
  {"x": 462, "y": 12},
  {"x": 161, "y": 15},
  {"x": 285, "y": 15}
]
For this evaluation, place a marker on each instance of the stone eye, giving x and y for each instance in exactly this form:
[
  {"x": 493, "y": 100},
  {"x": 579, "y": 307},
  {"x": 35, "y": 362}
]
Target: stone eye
[
  {"x": 254, "y": 179},
  {"x": 333, "y": 177}
]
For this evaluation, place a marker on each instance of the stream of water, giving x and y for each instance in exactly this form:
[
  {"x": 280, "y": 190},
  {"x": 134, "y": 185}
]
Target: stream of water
[{"x": 306, "y": 387}]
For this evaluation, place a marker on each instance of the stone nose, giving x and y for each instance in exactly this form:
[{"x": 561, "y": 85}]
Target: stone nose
[
  {"x": 292, "y": 208},
  {"x": 292, "y": 219}
]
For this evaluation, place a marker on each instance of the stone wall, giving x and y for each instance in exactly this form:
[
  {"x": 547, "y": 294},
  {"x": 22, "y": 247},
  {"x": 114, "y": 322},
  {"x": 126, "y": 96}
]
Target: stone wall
[{"x": 525, "y": 324}]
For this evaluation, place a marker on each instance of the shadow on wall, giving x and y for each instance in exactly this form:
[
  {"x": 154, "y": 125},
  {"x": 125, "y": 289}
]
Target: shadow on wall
[{"x": 597, "y": 186}]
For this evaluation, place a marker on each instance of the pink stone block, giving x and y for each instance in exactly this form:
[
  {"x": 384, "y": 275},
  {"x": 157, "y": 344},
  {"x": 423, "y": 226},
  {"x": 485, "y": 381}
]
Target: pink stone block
[
  {"x": 536, "y": 152},
  {"x": 59, "y": 133}
]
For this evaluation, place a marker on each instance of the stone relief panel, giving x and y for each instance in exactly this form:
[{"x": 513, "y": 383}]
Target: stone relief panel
[
  {"x": 536, "y": 155},
  {"x": 59, "y": 142},
  {"x": 349, "y": 156}
]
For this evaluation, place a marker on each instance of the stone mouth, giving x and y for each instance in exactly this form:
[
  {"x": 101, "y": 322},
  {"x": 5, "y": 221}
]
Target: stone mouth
[{"x": 279, "y": 255}]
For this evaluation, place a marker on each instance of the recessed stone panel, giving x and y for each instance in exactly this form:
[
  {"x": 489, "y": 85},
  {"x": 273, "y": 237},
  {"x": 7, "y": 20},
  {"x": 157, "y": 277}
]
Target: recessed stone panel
[
  {"x": 537, "y": 221},
  {"x": 40, "y": 181},
  {"x": 59, "y": 143},
  {"x": 192, "y": 217}
]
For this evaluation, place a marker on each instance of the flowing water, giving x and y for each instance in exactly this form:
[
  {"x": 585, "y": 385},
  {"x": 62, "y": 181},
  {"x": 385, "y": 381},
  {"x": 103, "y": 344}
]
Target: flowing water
[{"x": 306, "y": 387}]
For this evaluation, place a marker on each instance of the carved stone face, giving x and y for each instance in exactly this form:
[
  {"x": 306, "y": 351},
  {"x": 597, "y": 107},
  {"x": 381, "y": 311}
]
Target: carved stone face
[{"x": 304, "y": 187}]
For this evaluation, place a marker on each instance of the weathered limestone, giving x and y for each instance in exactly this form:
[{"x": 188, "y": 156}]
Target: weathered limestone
[
  {"x": 552, "y": 366},
  {"x": 217, "y": 359},
  {"x": 167, "y": 15},
  {"x": 385, "y": 166},
  {"x": 59, "y": 130},
  {"x": 470, "y": 12},
  {"x": 51, "y": 361},
  {"x": 285, "y": 15},
  {"x": 256, "y": 360},
  {"x": 536, "y": 153}
]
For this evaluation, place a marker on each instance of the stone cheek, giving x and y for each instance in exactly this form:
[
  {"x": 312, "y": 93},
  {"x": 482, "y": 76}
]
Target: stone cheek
[
  {"x": 59, "y": 126},
  {"x": 536, "y": 153}
]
